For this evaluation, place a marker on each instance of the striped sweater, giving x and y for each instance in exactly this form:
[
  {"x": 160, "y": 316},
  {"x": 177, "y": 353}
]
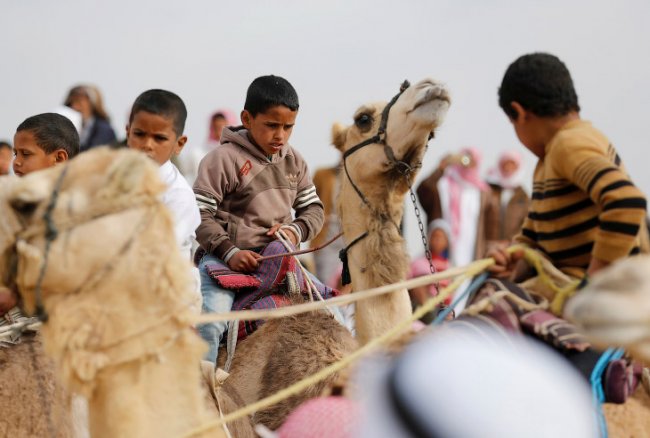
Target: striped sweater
[{"x": 583, "y": 204}]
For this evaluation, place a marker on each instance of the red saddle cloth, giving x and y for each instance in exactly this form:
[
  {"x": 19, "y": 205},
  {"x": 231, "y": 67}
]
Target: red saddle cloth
[{"x": 266, "y": 287}]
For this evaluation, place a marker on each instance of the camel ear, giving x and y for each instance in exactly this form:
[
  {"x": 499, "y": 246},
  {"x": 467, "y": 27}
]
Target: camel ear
[
  {"x": 339, "y": 134},
  {"x": 131, "y": 171},
  {"x": 30, "y": 192}
]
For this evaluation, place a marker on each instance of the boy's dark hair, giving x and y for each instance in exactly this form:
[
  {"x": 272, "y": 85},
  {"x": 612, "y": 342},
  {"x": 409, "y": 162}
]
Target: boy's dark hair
[
  {"x": 269, "y": 91},
  {"x": 540, "y": 83},
  {"x": 218, "y": 116},
  {"x": 162, "y": 103},
  {"x": 5, "y": 144},
  {"x": 52, "y": 131}
]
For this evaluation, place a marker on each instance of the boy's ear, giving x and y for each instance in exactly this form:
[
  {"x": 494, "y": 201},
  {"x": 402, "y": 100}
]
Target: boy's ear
[
  {"x": 180, "y": 143},
  {"x": 60, "y": 155},
  {"x": 246, "y": 119},
  {"x": 520, "y": 110},
  {"x": 127, "y": 130},
  {"x": 339, "y": 133}
]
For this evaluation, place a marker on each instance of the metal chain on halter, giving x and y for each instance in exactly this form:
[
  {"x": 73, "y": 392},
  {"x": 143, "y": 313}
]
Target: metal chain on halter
[{"x": 423, "y": 235}]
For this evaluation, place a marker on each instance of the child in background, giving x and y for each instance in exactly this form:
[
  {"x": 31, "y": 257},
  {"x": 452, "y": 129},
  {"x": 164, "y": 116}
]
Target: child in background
[
  {"x": 439, "y": 240},
  {"x": 246, "y": 190},
  {"x": 43, "y": 141},
  {"x": 155, "y": 127},
  {"x": 6, "y": 155}
]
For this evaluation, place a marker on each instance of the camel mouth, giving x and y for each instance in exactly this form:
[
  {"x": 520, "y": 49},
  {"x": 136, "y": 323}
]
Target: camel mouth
[{"x": 433, "y": 92}]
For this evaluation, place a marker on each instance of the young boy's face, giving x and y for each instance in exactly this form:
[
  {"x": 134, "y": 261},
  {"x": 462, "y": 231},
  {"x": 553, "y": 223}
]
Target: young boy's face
[
  {"x": 6, "y": 155},
  {"x": 271, "y": 129},
  {"x": 155, "y": 136},
  {"x": 30, "y": 157},
  {"x": 438, "y": 242}
]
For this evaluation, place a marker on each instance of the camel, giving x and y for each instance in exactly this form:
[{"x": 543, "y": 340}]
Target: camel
[
  {"x": 119, "y": 336},
  {"x": 381, "y": 257}
]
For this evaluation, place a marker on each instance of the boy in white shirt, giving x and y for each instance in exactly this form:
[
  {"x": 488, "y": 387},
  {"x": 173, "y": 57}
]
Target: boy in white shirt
[{"x": 156, "y": 127}]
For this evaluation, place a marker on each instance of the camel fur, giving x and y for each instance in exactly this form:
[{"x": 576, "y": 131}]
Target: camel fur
[
  {"x": 614, "y": 307},
  {"x": 381, "y": 258},
  {"x": 115, "y": 289}
]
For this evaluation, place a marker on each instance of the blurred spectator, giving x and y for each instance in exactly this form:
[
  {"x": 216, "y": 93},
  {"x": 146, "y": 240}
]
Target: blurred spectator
[
  {"x": 6, "y": 156},
  {"x": 326, "y": 181},
  {"x": 439, "y": 237},
  {"x": 189, "y": 162},
  {"x": 508, "y": 196},
  {"x": 455, "y": 192},
  {"x": 459, "y": 381},
  {"x": 96, "y": 129}
]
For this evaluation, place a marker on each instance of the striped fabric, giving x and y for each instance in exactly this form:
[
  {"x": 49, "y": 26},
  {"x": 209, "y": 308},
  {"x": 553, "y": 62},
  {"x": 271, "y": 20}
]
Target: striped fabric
[
  {"x": 266, "y": 287},
  {"x": 206, "y": 203},
  {"x": 583, "y": 203},
  {"x": 305, "y": 197}
]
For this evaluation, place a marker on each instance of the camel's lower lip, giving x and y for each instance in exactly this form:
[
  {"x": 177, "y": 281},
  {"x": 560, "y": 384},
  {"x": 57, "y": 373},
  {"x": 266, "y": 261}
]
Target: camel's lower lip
[{"x": 430, "y": 97}]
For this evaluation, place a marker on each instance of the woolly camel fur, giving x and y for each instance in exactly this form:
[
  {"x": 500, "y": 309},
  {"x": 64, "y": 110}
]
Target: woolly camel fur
[
  {"x": 381, "y": 258},
  {"x": 115, "y": 288}
]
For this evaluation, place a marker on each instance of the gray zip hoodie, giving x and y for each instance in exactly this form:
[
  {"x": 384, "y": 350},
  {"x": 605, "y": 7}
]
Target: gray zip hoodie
[{"x": 241, "y": 193}]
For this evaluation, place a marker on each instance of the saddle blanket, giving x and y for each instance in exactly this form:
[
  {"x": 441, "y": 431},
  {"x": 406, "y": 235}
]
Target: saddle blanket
[{"x": 268, "y": 287}]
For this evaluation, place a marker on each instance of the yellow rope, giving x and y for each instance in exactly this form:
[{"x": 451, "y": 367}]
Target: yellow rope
[
  {"x": 561, "y": 294},
  {"x": 470, "y": 271}
]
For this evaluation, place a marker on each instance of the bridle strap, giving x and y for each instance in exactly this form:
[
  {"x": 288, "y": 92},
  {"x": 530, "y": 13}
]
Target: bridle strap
[
  {"x": 379, "y": 138},
  {"x": 50, "y": 234},
  {"x": 343, "y": 255}
]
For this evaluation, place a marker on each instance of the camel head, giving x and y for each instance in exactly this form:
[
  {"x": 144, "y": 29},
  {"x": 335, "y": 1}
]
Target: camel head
[
  {"x": 614, "y": 308},
  {"x": 387, "y": 165},
  {"x": 81, "y": 194}
]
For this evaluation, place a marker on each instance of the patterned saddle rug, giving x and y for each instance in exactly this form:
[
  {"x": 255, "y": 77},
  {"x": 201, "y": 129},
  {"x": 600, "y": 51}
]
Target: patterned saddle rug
[{"x": 276, "y": 283}]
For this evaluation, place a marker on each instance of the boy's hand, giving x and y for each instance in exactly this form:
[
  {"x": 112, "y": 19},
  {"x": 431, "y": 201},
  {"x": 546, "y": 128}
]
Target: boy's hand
[
  {"x": 291, "y": 234},
  {"x": 8, "y": 300},
  {"x": 505, "y": 261},
  {"x": 596, "y": 265},
  {"x": 244, "y": 261}
]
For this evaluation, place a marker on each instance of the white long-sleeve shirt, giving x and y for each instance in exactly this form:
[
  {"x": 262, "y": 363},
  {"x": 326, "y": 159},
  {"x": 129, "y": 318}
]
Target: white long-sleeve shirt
[{"x": 181, "y": 202}]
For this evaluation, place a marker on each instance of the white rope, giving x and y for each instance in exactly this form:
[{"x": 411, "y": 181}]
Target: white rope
[
  {"x": 282, "y": 237},
  {"x": 14, "y": 323},
  {"x": 252, "y": 315}
]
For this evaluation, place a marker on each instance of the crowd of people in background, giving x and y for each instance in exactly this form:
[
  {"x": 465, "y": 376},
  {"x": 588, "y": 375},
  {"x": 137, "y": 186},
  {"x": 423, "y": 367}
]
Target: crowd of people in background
[{"x": 466, "y": 212}]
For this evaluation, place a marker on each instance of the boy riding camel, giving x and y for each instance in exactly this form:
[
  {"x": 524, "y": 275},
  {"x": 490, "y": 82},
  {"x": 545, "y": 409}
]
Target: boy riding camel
[
  {"x": 246, "y": 189},
  {"x": 585, "y": 212}
]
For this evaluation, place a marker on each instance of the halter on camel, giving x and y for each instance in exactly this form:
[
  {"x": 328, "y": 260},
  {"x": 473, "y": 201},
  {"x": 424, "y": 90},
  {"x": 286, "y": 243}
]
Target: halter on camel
[{"x": 402, "y": 167}]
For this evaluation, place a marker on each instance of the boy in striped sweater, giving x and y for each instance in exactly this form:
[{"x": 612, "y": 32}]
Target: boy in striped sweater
[
  {"x": 247, "y": 188},
  {"x": 586, "y": 212}
]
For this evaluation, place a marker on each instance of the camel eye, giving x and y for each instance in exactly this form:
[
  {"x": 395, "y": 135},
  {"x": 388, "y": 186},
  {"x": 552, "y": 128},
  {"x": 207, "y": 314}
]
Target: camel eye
[{"x": 363, "y": 121}]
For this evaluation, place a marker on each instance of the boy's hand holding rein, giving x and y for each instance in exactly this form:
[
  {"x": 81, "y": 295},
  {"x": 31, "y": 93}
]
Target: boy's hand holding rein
[
  {"x": 244, "y": 261},
  {"x": 293, "y": 237},
  {"x": 505, "y": 262}
]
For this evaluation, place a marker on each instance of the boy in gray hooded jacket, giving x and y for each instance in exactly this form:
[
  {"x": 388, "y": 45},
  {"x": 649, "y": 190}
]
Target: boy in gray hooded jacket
[{"x": 246, "y": 189}]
